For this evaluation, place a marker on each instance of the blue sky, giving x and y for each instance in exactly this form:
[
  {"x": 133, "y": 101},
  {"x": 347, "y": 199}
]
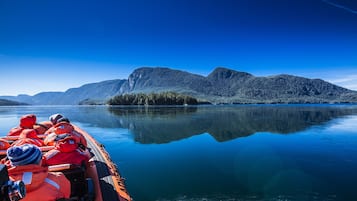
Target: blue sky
[{"x": 59, "y": 44}]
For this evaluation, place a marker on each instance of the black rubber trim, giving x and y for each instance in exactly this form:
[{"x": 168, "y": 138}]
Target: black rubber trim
[{"x": 105, "y": 179}]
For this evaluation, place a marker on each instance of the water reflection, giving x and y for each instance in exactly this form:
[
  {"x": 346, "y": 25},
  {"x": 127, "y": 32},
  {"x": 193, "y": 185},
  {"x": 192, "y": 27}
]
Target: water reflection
[
  {"x": 166, "y": 124},
  {"x": 163, "y": 124}
]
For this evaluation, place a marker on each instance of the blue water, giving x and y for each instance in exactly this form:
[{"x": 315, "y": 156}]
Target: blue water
[{"x": 280, "y": 152}]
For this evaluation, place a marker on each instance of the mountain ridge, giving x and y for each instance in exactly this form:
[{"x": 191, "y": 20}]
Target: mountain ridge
[
  {"x": 4, "y": 102},
  {"x": 221, "y": 86}
]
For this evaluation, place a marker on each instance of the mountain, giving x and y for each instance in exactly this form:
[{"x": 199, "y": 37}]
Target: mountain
[
  {"x": 228, "y": 86},
  {"x": 100, "y": 92},
  {"x": 4, "y": 102},
  {"x": 221, "y": 86}
]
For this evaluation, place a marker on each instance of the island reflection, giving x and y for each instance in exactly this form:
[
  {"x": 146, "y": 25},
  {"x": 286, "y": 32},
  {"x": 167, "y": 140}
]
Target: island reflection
[{"x": 167, "y": 124}]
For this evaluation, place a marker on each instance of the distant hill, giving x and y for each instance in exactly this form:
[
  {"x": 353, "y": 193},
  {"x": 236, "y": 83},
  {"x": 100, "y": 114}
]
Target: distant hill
[
  {"x": 4, "y": 102},
  {"x": 219, "y": 87},
  {"x": 100, "y": 92}
]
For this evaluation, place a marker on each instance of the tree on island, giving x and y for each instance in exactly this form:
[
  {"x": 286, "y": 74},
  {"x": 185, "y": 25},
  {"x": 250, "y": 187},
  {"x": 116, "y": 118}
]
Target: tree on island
[{"x": 164, "y": 98}]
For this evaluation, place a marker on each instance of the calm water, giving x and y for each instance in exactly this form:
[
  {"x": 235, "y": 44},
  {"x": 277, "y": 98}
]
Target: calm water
[{"x": 299, "y": 152}]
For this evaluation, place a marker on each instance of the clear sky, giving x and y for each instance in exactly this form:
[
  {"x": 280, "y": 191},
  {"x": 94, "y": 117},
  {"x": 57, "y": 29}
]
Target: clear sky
[{"x": 53, "y": 45}]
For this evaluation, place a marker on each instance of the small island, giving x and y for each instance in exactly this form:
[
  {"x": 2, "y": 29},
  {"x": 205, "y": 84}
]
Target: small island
[{"x": 164, "y": 98}]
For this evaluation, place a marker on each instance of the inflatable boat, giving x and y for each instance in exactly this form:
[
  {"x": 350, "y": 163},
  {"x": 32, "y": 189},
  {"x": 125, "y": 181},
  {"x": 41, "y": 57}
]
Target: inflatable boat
[{"x": 98, "y": 181}]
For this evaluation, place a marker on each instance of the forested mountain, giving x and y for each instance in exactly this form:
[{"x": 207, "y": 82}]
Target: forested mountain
[
  {"x": 228, "y": 86},
  {"x": 221, "y": 86}
]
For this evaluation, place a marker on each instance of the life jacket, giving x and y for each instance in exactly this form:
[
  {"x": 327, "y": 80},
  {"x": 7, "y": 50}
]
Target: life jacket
[
  {"x": 65, "y": 127},
  {"x": 15, "y": 131},
  {"x": 28, "y": 133},
  {"x": 4, "y": 144},
  {"x": 42, "y": 127},
  {"x": 26, "y": 122},
  {"x": 60, "y": 128},
  {"x": 37, "y": 142},
  {"x": 79, "y": 138},
  {"x": 50, "y": 139},
  {"x": 40, "y": 184},
  {"x": 28, "y": 136},
  {"x": 66, "y": 151}
]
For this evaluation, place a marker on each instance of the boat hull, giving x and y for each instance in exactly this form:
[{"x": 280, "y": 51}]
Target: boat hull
[{"x": 108, "y": 184}]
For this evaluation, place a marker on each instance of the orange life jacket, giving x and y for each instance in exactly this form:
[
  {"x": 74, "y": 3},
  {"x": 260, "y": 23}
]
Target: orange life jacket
[
  {"x": 42, "y": 127},
  {"x": 66, "y": 151},
  {"x": 26, "y": 121},
  {"x": 4, "y": 144},
  {"x": 28, "y": 133},
  {"x": 28, "y": 136},
  {"x": 55, "y": 157},
  {"x": 60, "y": 128},
  {"x": 65, "y": 127},
  {"x": 37, "y": 142},
  {"x": 15, "y": 131},
  {"x": 79, "y": 138},
  {"x": 40, "y": 184}
]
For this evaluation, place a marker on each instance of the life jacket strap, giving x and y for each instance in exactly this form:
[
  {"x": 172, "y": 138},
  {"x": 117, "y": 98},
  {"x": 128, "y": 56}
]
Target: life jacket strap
[
  {"x": 27, "y": 178},
  {"x": 43, "y": 126},
  {"x": 53, "y": 183}
]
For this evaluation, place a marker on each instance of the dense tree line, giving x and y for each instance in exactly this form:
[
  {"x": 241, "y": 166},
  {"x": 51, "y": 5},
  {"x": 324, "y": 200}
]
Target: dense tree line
[{"x": 164, "y": 98}]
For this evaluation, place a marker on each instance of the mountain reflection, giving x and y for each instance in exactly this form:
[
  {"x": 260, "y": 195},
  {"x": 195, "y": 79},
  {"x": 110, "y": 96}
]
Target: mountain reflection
[{"x": 166, "y": 124}]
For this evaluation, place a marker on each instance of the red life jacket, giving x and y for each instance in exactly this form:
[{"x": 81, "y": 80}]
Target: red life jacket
[
  {"x": 42, "y": 127},
  {"x": 66, "y": 151},
  {"x": 40, "y": 184},
  {"x": 28, "y": 133},
  {"x": 37, "y": 142},
  {"x": 79, "y": 138},
  {"x": 28, "y": 136},
  {"x": 55, "y": 157},
  {"x": 60, "y": 128},
  {"x": 15, "y": 131},
  {"x": 4, "y": 144},
  {"x": 28, "y": 121},
  {"x": 65, "y": 127}
]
